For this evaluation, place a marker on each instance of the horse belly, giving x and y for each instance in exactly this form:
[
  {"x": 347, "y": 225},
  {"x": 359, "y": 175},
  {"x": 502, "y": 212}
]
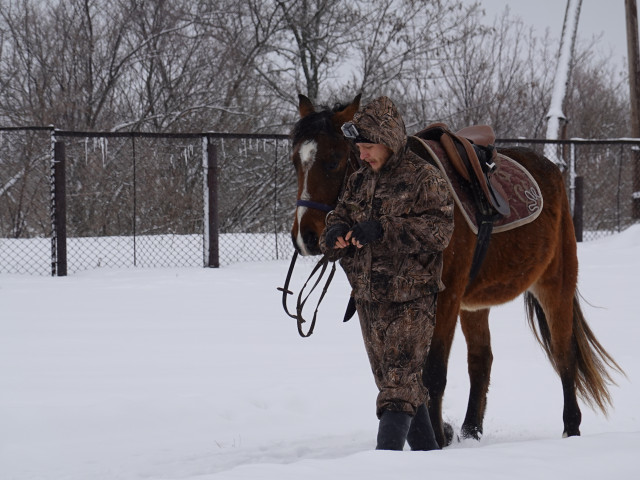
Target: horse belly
[{"x": 515, "y": 261}]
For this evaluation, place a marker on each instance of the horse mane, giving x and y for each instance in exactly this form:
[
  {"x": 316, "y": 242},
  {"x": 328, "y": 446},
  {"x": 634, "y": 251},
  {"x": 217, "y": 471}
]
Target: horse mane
[{"x": 318, "y": 122}]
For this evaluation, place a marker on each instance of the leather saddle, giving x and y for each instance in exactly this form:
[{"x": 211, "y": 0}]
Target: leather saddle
[{"x": 472, "y": 153}]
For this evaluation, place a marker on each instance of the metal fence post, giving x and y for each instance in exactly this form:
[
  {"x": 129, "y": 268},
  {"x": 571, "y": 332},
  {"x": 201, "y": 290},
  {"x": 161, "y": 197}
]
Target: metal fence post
[
  {"x": 275, "y": 198},
  {"x": 60, "y": 210},
  {"x": 635, "y": 195},
  {"x": 578, "y": 192},
  {"x": 134, "y": 224},
  {"x": 572, "y": 177},
  {"x": 213, "y": 259}
]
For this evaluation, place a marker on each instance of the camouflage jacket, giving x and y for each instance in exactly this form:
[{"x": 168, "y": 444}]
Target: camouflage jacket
[{"x": 411, "y": 200}]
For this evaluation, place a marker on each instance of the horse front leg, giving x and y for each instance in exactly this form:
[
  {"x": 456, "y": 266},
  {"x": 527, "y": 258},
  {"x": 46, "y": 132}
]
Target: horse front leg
[
  {"x": 434, "y": 374},
  {"x": 475, "y": 327}
]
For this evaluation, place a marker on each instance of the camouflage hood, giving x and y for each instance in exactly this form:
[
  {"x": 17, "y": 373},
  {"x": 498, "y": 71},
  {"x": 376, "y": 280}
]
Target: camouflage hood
[{"x": 380, "y": 122}]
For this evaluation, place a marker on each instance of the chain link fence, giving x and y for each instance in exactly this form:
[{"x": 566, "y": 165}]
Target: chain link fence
[
  {"x": 133, "y": 201},
  {"x": 144, "y": 200},
  {"x": 25, "y": 197},
  {"x": 139, "y": 199}
]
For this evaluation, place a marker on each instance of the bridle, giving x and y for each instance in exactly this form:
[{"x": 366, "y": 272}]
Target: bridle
[
  {"x": 352, "y": 166},
  {"x": 323, "y": 207},
  {"x": 321, "y": 266}
]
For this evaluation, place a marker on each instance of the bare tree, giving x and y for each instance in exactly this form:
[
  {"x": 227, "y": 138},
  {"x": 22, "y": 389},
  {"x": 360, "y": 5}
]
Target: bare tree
[
  {"x": 496, "y": 76},
  {"x": 63, "y": 63},
  {"x": 399, "y": 42},
  {"x": 195, "y": 69},
  {"x": 597, "y": 103},
  {"x": 503, "y": 76},
  {"x": 311, "y": 42}
]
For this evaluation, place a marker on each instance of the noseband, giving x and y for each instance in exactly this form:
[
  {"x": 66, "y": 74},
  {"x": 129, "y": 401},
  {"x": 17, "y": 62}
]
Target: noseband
[{"x": 315, "y": 205}]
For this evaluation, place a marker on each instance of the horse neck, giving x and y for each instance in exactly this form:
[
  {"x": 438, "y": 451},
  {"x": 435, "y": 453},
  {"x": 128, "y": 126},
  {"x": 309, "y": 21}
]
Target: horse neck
[
  {"x": 353, "y": 162},
  {"x": 352, "y": 166}
]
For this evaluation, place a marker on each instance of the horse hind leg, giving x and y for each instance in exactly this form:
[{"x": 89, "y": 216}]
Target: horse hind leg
[
  {"x": 581, "y": 361},
  {"x": 554, "y": 332},
  {"x": 475, "y": 327}
]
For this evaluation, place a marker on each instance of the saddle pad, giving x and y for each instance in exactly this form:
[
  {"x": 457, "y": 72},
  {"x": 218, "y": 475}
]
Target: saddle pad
[{"x": 521, "y": 189}]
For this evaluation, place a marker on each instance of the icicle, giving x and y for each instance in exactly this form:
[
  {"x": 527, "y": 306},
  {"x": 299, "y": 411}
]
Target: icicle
[
  {"x": 187, "y": 153},
  {"x": 104, "y": 145}
]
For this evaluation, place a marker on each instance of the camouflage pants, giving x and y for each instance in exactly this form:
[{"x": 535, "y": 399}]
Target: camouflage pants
[{"x": 397, "y": 337}]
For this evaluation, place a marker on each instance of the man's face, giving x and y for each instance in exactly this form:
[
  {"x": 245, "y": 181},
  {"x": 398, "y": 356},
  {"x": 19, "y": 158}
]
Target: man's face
[{"x": 375, "y": 154}]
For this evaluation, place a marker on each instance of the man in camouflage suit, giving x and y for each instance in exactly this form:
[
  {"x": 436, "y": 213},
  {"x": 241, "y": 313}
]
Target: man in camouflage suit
[{"x": 389, "y": 229}]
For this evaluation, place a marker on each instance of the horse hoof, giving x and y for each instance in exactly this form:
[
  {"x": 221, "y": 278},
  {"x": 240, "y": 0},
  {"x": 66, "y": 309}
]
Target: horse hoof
[
  {"x": 448, "y": 434},
  {"x": 473, "y": 432}
]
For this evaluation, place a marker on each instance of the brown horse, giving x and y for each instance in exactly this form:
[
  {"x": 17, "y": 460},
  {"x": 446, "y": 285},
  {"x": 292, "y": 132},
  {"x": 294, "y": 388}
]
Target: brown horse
[{"x": 538, "y": 259}]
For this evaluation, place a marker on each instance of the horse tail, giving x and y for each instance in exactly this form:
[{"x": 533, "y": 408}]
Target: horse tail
[{"x": 592, "y": 360}]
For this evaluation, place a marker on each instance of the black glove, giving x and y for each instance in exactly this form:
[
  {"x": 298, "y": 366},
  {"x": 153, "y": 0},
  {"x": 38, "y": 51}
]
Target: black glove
[
  {"x": 367, "y": 232},
  {"x": 335, "y": 231}
]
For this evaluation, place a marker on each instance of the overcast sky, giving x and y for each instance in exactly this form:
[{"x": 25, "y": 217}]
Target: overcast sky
[{"x": 596, "y": 17}]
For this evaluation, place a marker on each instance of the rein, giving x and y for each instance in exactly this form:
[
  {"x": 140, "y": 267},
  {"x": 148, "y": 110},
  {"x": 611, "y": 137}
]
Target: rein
[{"x": 322, "y": 267}]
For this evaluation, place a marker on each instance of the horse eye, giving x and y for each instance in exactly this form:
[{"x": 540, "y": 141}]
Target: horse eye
[{"x": 333, "y": 163}]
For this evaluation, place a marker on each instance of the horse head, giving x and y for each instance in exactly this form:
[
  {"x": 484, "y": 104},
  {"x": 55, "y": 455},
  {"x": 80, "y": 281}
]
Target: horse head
[{"x": 323, "y": 159}]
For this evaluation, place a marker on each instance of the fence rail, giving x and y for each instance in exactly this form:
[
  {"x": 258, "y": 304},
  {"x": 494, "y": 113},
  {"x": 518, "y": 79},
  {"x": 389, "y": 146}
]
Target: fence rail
[{"x": 71, "y": 201}]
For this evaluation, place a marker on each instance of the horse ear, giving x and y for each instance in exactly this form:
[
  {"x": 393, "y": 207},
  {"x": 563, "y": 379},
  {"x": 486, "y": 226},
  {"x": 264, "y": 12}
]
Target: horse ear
[
  {"x": 305, "y": 107},
  {"x": 347, "y": 113}
]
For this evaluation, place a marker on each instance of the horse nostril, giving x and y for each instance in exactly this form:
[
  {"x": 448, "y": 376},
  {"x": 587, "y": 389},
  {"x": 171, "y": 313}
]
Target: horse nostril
[{"x": 310, "y": 239}]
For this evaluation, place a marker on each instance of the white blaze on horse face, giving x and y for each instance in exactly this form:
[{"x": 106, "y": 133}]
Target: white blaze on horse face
[{"x": 307, "y": 155}]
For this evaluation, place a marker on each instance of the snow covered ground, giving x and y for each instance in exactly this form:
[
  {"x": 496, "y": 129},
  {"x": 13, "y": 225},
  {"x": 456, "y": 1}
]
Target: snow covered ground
[{"x": 198, "y": 374}]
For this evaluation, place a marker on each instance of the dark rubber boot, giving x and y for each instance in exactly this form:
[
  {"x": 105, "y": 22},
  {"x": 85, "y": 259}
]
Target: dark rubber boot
[
  {"x": 393, "y": 429},
  {"x": 421, "y": 435}
]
